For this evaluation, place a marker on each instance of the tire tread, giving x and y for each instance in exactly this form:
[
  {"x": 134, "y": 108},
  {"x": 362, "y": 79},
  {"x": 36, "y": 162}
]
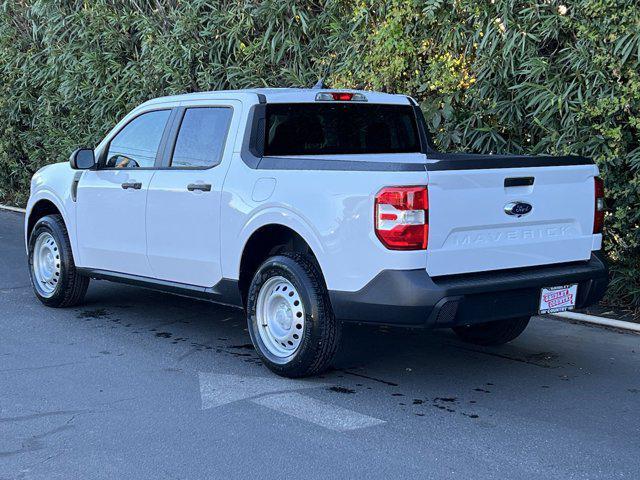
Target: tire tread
[
  {"x": 318, "y": 355},
  {"x": 76, "y": 284},
  {"x": 331, "y": 337}
]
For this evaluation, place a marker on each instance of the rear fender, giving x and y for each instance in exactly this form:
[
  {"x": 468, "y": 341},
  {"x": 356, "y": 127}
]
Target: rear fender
[{"x": 278, "y": 216}]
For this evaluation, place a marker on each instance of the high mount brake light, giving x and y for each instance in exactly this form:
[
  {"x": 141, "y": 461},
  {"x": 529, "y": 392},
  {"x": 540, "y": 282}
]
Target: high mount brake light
[
  {"x": 340, "y": 97},
  {"x": 402, "y": 217},
  {"x": 598, "y": 213}
]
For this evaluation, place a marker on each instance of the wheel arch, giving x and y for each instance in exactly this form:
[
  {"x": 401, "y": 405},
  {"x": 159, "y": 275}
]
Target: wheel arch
[
  {"x": 40, "y": 208},
  {"x": 266, "y": 240},
  {"x": 44, "y": 203}
]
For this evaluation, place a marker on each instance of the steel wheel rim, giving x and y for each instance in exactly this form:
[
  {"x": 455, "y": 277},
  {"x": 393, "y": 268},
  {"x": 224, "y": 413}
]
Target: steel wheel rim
[
  {"x": 280, "y": 317},
  {"x": 46, "y": 264}
]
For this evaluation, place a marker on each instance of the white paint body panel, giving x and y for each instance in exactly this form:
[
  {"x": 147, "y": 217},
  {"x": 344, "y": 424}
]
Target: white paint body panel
[
  {"x": 52, "y": 183},
  {"x": 163, "y": 231},
  {"x": 111, "y": 221},
  {"x": 332, "y": 211},
  {"x": 183, "y": 227},
  {"x": 470, "y": 232}
]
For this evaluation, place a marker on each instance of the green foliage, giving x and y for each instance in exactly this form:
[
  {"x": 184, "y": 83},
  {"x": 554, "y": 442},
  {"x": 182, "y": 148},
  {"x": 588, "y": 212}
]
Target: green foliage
[
  {"x": 491, "y": 76},
  {"x": 70, "y": 69}
]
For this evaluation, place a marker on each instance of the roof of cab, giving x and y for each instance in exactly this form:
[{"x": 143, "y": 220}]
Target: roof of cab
[{"x": 280, "y": 95}]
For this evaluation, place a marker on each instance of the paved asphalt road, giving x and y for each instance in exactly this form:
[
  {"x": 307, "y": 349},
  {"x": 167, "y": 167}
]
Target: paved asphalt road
[{"x": 137, "y": 384}]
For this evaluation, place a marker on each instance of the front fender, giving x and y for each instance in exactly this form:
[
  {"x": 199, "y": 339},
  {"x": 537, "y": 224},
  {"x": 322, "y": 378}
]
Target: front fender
[
  {"x": 41, "y": 195},
  {"x": 53, "y": 184}
]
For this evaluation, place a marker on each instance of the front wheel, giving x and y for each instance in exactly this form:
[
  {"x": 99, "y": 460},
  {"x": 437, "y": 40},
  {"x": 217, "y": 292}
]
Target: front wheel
[
  {"x": 289, "y": 316},
  {"x": 493, "y": 333},
  {"x": 54, "y": 277}
]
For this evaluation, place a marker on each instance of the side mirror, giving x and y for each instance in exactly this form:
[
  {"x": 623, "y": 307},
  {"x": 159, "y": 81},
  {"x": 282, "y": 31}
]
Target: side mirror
[{"x": 82, "y": 159}]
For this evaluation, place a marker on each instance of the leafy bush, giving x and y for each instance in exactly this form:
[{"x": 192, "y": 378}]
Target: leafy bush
[{"x": 491, "y": 76}]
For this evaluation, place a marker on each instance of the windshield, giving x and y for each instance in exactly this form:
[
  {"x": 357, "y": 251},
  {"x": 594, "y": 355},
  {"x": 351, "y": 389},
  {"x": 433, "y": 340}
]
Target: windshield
[{"x": 339, "y": 129}]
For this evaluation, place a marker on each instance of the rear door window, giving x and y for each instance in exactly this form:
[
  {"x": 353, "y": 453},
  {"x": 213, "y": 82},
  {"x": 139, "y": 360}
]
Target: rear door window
[
  {"x": 339, "y": 128},
  {"x": 201, "y": 139}
]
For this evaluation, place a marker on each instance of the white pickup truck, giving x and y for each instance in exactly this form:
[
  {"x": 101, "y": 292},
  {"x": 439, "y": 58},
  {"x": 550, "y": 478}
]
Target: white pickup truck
[{"x": 313, "y": 207}]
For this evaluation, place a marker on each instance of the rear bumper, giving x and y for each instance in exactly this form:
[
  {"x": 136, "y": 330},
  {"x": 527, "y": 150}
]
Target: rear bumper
[{"x": 412, "y": 298}]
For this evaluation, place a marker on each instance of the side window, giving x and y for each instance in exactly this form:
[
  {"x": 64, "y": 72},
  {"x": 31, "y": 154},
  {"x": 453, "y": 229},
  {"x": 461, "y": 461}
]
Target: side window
[
  {"x": 201, "y": 138},
  {"x": 136, "y": 145}
]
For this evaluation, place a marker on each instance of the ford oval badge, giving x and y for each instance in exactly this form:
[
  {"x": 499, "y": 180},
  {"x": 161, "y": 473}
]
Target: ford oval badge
[{"x": 517, "y": 209}]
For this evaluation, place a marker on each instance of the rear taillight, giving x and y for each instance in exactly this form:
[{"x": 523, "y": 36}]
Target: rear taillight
[
  {"x": 402, "y": 217},
  {"x": 598, "y": 214}
]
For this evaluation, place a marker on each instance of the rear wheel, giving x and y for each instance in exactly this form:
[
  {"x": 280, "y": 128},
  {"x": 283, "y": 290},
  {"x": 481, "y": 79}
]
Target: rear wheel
[
  {"x": 493, "y": 333},
  {"x": 289, "y": 316},
  {"x": 54, "y": 277}
]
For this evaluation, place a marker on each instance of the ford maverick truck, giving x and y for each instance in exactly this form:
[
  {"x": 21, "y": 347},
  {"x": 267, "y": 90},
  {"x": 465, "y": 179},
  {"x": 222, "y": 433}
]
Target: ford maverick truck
[{"x": 309, "y": 208}]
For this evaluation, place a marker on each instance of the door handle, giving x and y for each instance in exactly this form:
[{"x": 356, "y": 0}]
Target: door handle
[
  {"x": 134, "y": 185},
  {"x": 203, "y": 187}
]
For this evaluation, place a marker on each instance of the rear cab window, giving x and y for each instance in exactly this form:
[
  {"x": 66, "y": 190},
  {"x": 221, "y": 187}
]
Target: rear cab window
[{"x": 339, "y": 129}]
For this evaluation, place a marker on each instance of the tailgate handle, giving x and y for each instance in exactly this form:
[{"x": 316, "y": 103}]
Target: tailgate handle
[{"x": 518, "y": 182}]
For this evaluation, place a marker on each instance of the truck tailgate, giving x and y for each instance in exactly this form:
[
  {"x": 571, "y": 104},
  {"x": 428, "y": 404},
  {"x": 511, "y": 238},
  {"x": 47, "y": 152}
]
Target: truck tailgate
[{"x": 470, "y": 231}]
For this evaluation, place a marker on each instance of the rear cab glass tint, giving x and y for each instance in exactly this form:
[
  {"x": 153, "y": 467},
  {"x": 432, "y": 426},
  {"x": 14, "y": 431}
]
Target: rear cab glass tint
[{"x": 339, "y": 129}]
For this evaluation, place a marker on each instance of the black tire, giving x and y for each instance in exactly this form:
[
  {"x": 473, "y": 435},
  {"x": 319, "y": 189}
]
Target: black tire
[
  {"x": 71, "y": 286},
  {"x": 321, "y": 334},
  {"x": 493, "y": 333}
]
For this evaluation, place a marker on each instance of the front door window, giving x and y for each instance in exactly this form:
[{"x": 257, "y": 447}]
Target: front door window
[{"x": 136, "y": 145}]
